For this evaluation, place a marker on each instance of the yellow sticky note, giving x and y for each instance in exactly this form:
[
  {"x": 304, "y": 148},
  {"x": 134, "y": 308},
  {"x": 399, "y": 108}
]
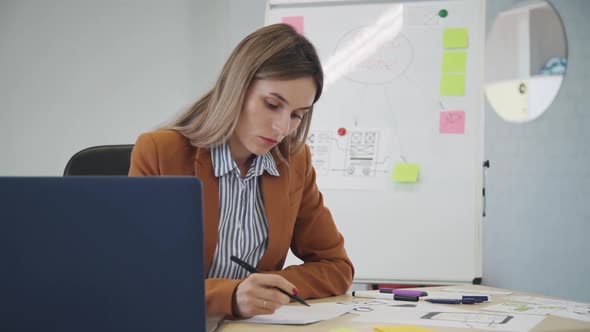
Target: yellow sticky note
[
  {"x": 343, "y": 329},
  {"x": 403, "y": 172},
  {"x": 455, "y": 38},
  {"x": 405, "y": 328},
  {"x": 452, "y": 85},
  {"x": 454, "y": 62}
]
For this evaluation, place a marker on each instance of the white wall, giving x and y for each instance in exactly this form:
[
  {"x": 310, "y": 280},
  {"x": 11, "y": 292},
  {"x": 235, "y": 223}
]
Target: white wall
[
  {"x": 538, "y": 213},
  {"x": 81, "y": 73}
]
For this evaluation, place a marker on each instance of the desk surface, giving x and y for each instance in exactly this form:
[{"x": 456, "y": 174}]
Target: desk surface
[{"x": 550, "y": 323}]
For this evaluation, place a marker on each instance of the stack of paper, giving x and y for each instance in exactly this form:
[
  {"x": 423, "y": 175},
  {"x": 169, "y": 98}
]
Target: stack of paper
[{"x": 298, "y": 314}]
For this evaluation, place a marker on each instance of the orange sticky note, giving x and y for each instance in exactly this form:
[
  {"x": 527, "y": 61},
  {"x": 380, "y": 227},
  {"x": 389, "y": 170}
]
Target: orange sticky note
[
  {"x": 452, "y": 122},
  {"x": 295, "y": 21}
]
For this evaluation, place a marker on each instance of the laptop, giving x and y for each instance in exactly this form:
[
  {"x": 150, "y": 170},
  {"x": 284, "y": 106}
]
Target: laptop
[{"x": 101, "y": 254}]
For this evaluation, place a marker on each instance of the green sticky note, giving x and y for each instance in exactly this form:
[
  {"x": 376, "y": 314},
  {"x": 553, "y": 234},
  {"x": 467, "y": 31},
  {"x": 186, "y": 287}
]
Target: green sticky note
[
  {"x": 452, "y": 85},
  {"x": 403, "y": 172},
  {"x": 454, "y": 62},
  {"x": 455, "y": 38},
  {"x": 343, "y": 329}
]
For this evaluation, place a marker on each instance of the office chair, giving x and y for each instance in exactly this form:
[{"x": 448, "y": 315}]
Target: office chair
[{"x": 100, "y": 160}]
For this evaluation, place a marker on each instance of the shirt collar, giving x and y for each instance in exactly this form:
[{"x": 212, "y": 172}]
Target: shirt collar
[{"x": 223, "y": 162}]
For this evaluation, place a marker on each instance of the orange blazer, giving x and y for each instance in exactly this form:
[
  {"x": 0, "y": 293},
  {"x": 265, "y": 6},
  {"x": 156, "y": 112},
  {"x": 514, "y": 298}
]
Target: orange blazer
[{"x": 297, "y": 218}]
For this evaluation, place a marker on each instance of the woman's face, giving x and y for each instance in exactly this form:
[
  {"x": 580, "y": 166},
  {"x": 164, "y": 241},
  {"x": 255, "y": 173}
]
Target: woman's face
[{"x": 272, "y": 109}]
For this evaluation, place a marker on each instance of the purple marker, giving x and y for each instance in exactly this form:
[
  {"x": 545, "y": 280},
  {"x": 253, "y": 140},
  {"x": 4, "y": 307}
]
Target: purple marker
[{"x": 402, "y": 292}]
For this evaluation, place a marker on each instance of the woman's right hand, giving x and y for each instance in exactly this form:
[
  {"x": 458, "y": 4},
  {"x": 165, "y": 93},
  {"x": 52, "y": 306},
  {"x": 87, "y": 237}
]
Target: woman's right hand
[{"x": 257, "y": 295}]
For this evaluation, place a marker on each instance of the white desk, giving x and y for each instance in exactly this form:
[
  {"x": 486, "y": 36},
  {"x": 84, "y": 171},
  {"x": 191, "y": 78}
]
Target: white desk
[{"x": 550, "y": 323}]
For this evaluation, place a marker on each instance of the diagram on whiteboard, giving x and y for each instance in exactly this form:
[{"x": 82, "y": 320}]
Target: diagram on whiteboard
[
  {"x": 344, "y": 157},
  {"x": 389, "y": 59}
]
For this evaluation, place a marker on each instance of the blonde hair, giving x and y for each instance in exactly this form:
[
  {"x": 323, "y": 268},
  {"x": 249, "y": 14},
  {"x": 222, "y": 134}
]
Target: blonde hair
[{"x": 275, "y": 52}]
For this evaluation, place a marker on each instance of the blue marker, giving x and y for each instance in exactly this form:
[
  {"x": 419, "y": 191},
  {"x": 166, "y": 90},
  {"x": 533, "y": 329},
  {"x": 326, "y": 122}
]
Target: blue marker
[
  {"x": 451, "y": 301},
  {"x": 477, "y": 298}
]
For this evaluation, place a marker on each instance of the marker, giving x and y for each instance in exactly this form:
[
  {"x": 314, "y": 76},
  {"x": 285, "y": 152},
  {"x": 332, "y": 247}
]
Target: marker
[
  {"x": 384, "y": 296},
  {"x": 477, "y": 298},
  {"x": 403, "y": 292},
  {"x": 400, "y": 297},
  {"x": 372, "y": 295},
  {"x": 444, "y": 301},
  {"x": 451, "y": 301},
  {"x": 437, "y": 296}
]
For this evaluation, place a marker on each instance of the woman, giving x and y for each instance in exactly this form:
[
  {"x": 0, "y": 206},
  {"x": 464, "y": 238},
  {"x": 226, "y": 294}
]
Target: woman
[{"x": 245, "y": 140}]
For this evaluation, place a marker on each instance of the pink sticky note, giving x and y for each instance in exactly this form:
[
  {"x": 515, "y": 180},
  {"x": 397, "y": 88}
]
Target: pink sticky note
[
  {"x": 295, "y": 21},
  {"x": 452, "y": 122}
]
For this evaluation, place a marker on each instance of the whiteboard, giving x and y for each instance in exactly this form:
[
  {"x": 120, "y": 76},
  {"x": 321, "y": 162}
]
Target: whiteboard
[{"x": 383, "y": 106}]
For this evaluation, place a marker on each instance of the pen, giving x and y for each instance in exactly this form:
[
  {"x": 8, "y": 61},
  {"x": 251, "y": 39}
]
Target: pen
[{"x": 252, "y": 269}]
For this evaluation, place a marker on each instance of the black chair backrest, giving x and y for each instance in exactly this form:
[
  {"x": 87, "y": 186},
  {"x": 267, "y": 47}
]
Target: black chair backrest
[{"x": 101, "y": 160}]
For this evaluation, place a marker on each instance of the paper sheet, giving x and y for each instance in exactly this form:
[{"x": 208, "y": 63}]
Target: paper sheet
[
  {"x": 357, "y": 159},
  {"x": 299, "y": 315},
  {"x": 449, "y": 317},
  {"x": 523, "y": 308},
  {"x": 573, "y": 310}
]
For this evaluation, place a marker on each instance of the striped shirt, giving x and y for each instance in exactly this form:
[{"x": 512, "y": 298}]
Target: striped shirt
[{"x": 243, "y": 228}]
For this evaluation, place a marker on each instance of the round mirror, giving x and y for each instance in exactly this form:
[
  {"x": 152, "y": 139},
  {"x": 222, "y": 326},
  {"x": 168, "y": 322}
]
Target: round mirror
[{"x": 526, "y": 59}]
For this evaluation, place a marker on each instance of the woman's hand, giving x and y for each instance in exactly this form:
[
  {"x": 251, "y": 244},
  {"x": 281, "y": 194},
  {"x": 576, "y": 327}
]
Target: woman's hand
[{"x": 257, "y": 295}]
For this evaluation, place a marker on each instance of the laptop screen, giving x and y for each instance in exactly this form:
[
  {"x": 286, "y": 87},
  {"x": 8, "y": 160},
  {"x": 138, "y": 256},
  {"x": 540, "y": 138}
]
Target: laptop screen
[{"x": 101, "y": 254}]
